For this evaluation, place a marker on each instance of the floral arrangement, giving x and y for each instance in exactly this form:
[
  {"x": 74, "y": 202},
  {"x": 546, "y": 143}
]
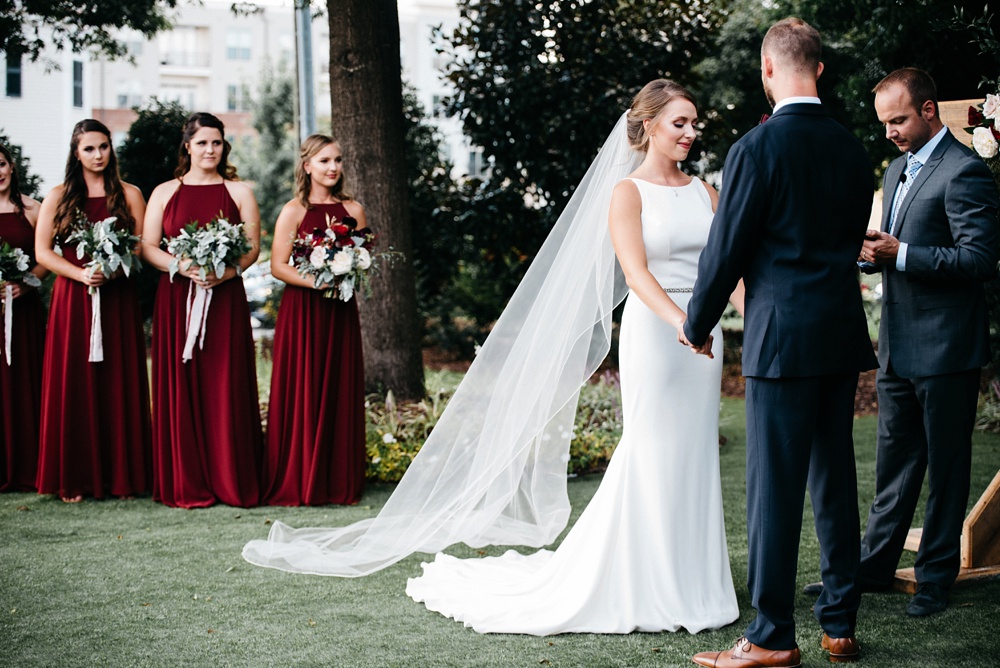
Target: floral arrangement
[
  {"x": 15, "y": 266},
  {"x": 337, "y": 258},
  {"x": 215, "y": 246},
  {"x": 984, "y": 121},
  {"x": 108, "y": 248}
]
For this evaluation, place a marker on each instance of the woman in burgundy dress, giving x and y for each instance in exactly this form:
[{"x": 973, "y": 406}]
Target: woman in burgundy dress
[
  {"x": 21, "y": 375},
  {"x": 316, "y": 417},
  {"x": 94, "y": 436},
  {"x": 206, "y": 430}
]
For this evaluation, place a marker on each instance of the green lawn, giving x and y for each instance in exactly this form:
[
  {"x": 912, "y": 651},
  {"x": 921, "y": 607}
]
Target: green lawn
[{"x": 133, "y": 583}]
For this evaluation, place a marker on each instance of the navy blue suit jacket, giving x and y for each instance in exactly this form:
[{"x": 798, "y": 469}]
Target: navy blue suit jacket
[
  {"x": 795, "y": 202},
  {"x": 934, "y": 316}
]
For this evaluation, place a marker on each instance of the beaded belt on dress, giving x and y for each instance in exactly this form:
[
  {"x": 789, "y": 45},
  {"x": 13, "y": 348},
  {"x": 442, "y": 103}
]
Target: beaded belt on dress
[{"x": 678, "y": 289}]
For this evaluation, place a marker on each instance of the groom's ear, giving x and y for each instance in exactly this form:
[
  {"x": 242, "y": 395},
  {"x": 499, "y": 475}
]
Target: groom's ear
[
  {"x": 819, "y": 70},
  {"x": 766, "y": 65}
]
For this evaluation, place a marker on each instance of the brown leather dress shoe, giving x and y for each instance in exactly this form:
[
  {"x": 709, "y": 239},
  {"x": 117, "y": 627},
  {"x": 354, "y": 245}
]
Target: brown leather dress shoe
[
  {"x": 842, "y": 650},
  {"x": 745, "y": 654}
]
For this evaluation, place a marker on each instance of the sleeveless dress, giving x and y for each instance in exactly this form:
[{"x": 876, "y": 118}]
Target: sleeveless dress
[
  {"x": 21, "y": 381},
  {"x": 316, "y": 415},
  {"x": 206, "y": 426},
  {"x": 649, "y": 551},
  {"x": 95, "y": 423}
]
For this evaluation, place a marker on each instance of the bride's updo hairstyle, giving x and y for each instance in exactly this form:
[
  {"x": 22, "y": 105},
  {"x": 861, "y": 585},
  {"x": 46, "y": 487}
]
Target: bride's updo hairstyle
[{"x": 651, "y": 100}]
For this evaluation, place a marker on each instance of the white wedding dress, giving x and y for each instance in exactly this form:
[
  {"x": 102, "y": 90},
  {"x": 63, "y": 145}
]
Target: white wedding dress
[{"x": 649, "y": 552}]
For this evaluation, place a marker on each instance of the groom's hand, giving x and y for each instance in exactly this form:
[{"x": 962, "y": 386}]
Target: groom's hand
[{"x": 703, "y": 349}]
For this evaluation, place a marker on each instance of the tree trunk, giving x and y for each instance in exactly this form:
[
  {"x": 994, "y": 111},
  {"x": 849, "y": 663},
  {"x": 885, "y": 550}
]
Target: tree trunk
[{"x": 367, "y": 120}]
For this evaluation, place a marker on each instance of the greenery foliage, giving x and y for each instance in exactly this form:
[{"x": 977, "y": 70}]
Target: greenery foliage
[
  {"x": 147, "y": 158},
  {"x": 269, "y": 159},
  {"x": 397, "y": 430},
  {"x": 79, "y": 26},
  {"x": 537, "y": 86},
  {"x": 30, "y": 183}
]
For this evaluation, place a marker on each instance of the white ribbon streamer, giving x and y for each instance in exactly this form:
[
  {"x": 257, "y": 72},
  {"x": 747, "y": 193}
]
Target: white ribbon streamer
[
  {"x": 96, "y": 335},
  {"x": 197, "y": 313},
  {"x": 8, "y": 318}
]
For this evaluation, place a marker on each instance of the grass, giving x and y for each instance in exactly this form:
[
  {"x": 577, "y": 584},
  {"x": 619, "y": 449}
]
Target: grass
[{"x": 133, "y": 583}]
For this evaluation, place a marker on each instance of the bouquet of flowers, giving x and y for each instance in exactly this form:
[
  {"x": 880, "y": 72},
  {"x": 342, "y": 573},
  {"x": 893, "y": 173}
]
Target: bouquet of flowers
[
  {"x": 15, "y": 267},
  {"x": 109, "y": 250},
  {"x": 338, "y": 258},
  {"x": 984, "y": 120},
  {"x": 217, "y": 245}
]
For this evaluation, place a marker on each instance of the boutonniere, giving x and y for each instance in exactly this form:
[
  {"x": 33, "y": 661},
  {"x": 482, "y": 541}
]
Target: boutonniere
[{"x": 764, "y": 118}]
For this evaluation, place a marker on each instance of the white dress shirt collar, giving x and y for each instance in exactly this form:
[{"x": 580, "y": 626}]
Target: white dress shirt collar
[
  {"x": 924, "y": 154},
  {"x": 796, "y": 100}
]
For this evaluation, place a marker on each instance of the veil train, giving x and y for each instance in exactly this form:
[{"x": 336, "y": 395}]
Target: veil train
[{"x": 493, "y": 471}]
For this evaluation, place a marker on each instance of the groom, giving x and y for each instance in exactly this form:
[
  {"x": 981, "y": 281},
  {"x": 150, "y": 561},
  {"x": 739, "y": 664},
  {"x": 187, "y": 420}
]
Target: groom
[{"x": 796, "y": 197}]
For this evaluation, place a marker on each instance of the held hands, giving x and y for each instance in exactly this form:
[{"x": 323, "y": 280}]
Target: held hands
[
  {"x": 16, "y": 289},
  {"x": 879, "y": 248},
  {"x": 92, "y": 277},
  {"x": 193, "y": 271},
  {"x": 703, "y": 349}
]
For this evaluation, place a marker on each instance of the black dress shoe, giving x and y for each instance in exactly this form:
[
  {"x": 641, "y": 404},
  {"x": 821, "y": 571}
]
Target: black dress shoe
[
  {"x": 929, "y": 599},
  {"x": 813, "y": 589}
]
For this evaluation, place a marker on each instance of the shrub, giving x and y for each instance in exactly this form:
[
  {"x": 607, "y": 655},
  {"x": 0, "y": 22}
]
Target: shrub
[{"x": 396, "y": 431}]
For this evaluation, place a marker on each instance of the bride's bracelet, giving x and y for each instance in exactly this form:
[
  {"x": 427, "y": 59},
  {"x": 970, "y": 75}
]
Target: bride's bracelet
[{"x": 669, "y": 290}]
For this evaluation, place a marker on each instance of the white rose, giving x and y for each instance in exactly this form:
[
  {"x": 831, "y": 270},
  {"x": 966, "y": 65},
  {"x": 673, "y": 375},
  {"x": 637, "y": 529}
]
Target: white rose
[
  {"x": 984, "y": 143},
  {"x": 388, "y": 438},
  {"x": 317, "y": 257},
  {"x": 342, "y": 262},
  {"x": 991, "y": 106},
  {"x": 364, "y": 258}
]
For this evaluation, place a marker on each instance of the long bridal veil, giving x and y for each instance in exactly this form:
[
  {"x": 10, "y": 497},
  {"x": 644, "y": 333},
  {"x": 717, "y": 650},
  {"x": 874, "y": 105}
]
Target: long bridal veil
[{"x": 493, "y": 471}]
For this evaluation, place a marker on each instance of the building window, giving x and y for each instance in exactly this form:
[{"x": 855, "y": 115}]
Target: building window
[
  {"x": 238, "y": 44},
  {"x": 77, "y": 83},
  {"x": 476, "y": 162},
  {"x": 13, "y": 75},
  {"x": 231, "y": 95}
]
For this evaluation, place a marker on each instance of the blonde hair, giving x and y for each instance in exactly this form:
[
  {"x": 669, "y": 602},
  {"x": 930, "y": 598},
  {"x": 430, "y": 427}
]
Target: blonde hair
[
  {"x": 650, "y": 101},
  {"x": 303, "y": 183}
]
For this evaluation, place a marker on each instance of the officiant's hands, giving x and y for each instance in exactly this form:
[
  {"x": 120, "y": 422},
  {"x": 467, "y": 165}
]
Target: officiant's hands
[{"x": 879, "y": 248}]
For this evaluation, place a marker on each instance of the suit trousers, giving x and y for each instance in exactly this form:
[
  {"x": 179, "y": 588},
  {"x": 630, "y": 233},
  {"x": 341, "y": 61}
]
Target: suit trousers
[
  {"x": 925, "y": 425},
  {"x": 799, "y": 431}
]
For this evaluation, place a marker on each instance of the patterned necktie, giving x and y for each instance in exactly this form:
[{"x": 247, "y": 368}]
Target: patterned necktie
[{"x": 912, "y": 167}]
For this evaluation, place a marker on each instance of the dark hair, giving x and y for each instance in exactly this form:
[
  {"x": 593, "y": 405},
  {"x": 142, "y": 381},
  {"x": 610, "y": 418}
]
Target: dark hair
[
  {"x": 917, "y": 83},
  {"x": 303, "y": 182},
  {"x": 795, "y": 43},
  {"x": 195, "y": 122},
  {"x": 647, "y": 104},
  {"x": 74, "y": 195},
  {"x": 15, "y": 185}
]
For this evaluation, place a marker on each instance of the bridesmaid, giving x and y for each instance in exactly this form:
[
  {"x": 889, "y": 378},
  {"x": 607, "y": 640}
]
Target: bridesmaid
[
  {"x": 206, "y": 431},
  {"x": 95, "y": 423},
  {"x": 316, "y": 419},
  {"x": 21, "y": 379}
]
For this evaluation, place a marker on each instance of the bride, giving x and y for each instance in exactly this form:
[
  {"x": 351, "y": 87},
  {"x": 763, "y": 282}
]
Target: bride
[{"x": 649, "y": 552}]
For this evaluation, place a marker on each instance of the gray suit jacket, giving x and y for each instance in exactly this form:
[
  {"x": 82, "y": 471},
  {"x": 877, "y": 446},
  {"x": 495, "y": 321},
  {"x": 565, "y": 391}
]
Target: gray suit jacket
[{"x": 934, "y": 316}]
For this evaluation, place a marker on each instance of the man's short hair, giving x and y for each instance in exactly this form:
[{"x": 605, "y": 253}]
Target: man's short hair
[
  {"x": 917, "y": 83},
  {"x": 794, "y": 42}
]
